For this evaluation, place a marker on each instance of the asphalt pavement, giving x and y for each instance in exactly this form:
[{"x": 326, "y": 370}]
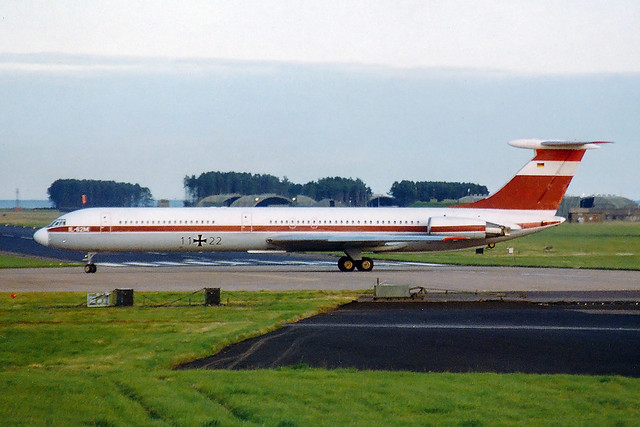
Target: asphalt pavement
[{"x": 464, "y": 337}]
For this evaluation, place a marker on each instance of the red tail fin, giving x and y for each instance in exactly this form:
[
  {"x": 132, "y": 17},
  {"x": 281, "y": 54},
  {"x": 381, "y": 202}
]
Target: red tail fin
[{"x": 541, "y": 183}]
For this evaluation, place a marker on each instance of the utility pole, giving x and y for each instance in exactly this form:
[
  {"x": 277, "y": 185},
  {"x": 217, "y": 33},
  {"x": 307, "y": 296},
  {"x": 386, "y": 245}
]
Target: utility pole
[{"x": 17, "y": 208}]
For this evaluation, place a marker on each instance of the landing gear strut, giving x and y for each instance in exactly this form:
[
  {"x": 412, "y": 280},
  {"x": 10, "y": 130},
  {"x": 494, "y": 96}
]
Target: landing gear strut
[{"x": 90, "y": 267}]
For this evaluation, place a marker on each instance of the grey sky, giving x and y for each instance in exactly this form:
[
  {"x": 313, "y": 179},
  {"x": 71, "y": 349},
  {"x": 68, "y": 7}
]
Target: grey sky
[
  {"x": 510, "y": 35},
  {"x": 148, "y": 92}
]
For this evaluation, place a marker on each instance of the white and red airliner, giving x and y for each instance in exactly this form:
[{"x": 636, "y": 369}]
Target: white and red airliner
[{"x": 525, "y": 205}]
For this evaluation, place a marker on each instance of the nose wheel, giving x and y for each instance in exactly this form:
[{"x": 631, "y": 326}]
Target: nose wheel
[{"x": 90, "y": 267}]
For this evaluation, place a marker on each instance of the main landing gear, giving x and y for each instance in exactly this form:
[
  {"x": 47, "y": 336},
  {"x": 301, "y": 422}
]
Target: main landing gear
[
  {"x": 347, "y": 263},
  {"x": 90, "y": 267}
]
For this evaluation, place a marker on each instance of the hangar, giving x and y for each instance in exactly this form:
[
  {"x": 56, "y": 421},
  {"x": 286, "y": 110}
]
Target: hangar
[
  {"x": 599, "y": 208},
  {"x": 261, "y": 200},
  {"x": 381, "y": 200},
  {"x": 218, "y": 200}
]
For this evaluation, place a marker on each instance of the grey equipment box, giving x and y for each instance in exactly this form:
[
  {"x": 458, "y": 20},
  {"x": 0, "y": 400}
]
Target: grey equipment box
[{"x": 391, "y": 291}]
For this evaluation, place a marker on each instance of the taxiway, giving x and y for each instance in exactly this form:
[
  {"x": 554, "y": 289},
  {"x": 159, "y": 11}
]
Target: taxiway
[{"x": 315, "y": 276}]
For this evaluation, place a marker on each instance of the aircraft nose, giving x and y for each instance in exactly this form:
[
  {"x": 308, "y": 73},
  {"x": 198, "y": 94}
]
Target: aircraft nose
[{"x": 42, "y": 236}]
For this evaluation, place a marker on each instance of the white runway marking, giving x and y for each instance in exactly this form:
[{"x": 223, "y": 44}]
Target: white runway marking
[
  {"x": 252, "y": 262},
  {"x": 196, "y": 262},
  {"x": 110, "y": 264},
  {"x": 140, "y": 264},
  {"x": 191, "y": 262},
  {"x": 470, "y": 327}
]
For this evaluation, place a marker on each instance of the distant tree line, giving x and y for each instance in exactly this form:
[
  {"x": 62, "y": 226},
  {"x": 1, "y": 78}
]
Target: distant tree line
[
  {"x": 210, "y": 183},
  {"x": 66, "y": 194},
  {"x": 345, "y": 190},
  {"x": 408, "y": 192},
  {"x": 351, "y": 192}
]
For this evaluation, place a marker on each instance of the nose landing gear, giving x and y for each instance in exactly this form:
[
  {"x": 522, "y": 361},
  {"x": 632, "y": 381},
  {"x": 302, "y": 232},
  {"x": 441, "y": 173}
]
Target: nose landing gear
[{"x": 90, "y": 267}]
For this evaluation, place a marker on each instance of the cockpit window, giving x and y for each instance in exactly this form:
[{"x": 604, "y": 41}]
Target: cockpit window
[{"x": 58, "y": 223}]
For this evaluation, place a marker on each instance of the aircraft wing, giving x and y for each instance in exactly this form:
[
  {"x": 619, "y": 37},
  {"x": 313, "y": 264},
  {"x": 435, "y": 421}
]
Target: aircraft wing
[{"x": 340, "y": 241}]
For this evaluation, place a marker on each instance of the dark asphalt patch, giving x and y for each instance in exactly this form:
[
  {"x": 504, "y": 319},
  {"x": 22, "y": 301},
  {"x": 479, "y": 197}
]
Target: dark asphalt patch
[{"x": 490, "y": 337}]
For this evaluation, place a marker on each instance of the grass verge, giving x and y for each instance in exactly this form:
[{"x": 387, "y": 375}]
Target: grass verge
[
  {"x": 64, "y": 364},
  {"x": 21, "y": 261}
]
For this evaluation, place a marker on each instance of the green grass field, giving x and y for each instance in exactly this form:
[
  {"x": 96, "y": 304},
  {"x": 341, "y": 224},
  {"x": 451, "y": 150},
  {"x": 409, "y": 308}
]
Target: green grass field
[
  {"x": 8, "y": 260},
  {"x": 29, "y": 217},
  {"x": 64, "y": 364}
]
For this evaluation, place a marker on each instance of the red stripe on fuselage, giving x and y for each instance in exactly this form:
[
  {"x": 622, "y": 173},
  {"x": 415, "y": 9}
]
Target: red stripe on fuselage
[
  {"x": 255, "y": 228},
  {"x": 452, "y": 229},
  {"x": 528, "y": 225},
  {"x": 267, "y": 228}
]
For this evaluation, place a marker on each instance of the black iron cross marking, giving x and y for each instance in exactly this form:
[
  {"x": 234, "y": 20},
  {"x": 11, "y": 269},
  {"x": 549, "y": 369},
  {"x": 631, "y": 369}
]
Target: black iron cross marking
[{"x": 200, "y": 240}]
